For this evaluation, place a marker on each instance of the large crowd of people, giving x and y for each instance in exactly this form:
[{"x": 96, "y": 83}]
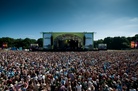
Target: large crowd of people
[{"x": 69, "y": 71}]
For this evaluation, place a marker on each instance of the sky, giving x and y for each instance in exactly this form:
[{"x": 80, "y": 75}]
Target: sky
[{"x": 106, "y": 18}]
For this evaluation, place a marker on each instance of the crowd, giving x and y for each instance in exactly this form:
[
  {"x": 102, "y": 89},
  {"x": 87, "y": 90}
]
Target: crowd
[{"x": 69, "y": 71}]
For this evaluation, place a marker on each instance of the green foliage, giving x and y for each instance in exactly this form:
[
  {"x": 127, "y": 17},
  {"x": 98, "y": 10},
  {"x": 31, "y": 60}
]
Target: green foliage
[
  {"x": 97, "y": 42},
  {"x": 136, "y": 37},
  {"x": 25, "y": 43},
  {"x": 117, "y": 42},
  {"x": 8, "y": 40},
  {"x": 18, "y": 43},
  {"x": 109, "y": 42},
  {"x": 40, "y": 42}
]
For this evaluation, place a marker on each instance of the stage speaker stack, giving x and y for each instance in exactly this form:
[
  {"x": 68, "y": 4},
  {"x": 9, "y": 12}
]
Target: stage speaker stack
[
  {"x": 51, "y": 40},
  {"x": 84, "y": 38}
]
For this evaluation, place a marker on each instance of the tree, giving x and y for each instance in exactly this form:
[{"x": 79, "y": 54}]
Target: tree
[
  {"x": 40, "y": 42},
  {"x": 97, "y": 42},
  {"x": 18, "y": 43},
  {"x": 8, "y": 40},
  {"x": 125, "y": 43},
  {"x": 129, "y": 39},
  {"x": 136, "y": 37},
  {"x": 109, "y": 42},
  {"x": 27, "y": 42}
]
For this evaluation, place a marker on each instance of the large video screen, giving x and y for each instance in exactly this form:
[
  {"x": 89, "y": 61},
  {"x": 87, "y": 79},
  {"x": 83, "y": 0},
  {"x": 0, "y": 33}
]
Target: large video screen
[
  {"x": 88, "y": 40},
  {"x": 47, "y": 40}
]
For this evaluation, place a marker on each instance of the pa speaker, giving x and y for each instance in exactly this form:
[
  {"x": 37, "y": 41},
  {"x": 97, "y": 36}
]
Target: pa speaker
[
  {"x": 51, "y": 40},
  {"x": 84, "y": 38}
]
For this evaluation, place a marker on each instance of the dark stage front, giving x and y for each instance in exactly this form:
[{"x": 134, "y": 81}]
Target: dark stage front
[{"x": 68, "y": 44}]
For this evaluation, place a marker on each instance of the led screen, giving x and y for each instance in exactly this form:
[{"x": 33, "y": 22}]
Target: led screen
[
  {"x": 88, "y": 40},
  {"x": 47, "y": 40}
]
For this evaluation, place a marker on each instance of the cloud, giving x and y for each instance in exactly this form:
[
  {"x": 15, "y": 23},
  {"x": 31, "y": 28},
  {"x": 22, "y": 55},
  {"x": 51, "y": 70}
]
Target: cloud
[
  {"x": 124, "y": 26},
  {"x": 135, "y": 19}
]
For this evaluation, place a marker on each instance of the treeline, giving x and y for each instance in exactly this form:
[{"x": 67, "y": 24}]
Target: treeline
[
  {"x": 24, "y": 43},
  {"x": 117, "y": 42},
  {"x": 112, "y": 42}
]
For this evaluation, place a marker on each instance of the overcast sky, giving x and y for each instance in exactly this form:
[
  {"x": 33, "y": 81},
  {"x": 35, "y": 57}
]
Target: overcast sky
[{"x": 107, "y": 18}]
